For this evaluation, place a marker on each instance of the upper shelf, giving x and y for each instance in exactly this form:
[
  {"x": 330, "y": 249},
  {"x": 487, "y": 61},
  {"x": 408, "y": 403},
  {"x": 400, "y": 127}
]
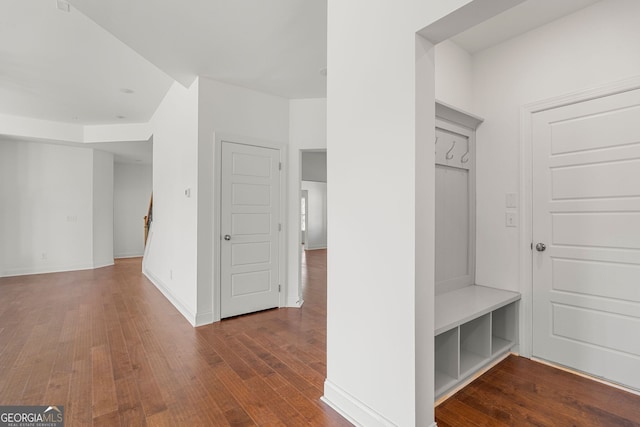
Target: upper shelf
[
  {"x": 457, "y": 307},
  {"x": 455, "y": 115}
]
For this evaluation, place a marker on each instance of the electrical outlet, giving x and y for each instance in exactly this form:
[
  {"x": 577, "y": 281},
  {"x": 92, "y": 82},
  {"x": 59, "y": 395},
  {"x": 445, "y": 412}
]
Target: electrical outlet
[
  {"x": 512, "y": 219},
  {"x": 511, "y": 200}
]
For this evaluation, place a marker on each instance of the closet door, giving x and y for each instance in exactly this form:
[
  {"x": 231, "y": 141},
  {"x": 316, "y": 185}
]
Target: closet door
[
  {"x": 454, "y": 208},
  {"x": 586, "y": 236}
]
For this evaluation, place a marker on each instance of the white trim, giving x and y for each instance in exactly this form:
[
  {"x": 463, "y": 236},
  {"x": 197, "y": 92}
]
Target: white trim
[
  {"x": 314, "y": 248},
  {"x": 103, "y": 263},
  {"x": 179, "y": 305},
  {"x": 351, "y": 408},
  {"x": 218, "y": 139},
  {"x": 124, "y": 256},
  {"x": 204, "y": 318},
  {"x": 294, "y": 302},
  {"x": 526, "y": 191},
  {"x": 27, "y": 271},
  {"x": 587, "y": 376},
  {"x": 457, "y": 116}
]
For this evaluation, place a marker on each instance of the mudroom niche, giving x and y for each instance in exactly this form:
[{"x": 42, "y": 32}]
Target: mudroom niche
[{"x": 474, "y": 325}]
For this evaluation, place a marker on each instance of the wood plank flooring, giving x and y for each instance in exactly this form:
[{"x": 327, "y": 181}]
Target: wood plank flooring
[
  {"x": 110, "y": 348},
  {"x": 521, "y": 392}
]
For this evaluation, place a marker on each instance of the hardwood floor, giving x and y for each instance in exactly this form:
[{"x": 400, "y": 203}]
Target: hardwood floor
[
  {"x": 111, "y": 349},
  {"x": 521, "y": 392}
]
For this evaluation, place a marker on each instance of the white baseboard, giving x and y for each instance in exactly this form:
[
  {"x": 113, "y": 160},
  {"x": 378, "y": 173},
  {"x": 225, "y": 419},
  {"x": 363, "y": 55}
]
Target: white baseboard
[
  {"x": 186, "y": 313},
  {"x": 351, "y": 408},
  {"x": 295, "y": 302},
  {"x": 204, "y": 318},
  {"x": 313, "y": 248},
  {"x": 119, "y": 256},
  {"x": 103, "y": 263},
  {"x": 26, "y": 271}
]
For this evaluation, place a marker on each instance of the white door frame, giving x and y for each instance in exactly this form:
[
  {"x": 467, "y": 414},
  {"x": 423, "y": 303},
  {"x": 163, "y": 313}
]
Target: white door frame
[
  {"x": 304, "y": 195},
  {"x": 526, "y": 193},
  {"x": 219, "y": 138}
]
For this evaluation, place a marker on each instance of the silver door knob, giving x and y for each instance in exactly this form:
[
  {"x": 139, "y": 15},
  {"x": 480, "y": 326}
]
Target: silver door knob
[
  {"x": 227, "y": 237},
  {"x": 540, "y": 247}
]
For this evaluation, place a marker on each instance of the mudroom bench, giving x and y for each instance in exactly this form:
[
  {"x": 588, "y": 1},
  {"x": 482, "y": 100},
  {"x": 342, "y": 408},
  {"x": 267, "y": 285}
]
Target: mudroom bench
[{"x": 474, "y": 326}]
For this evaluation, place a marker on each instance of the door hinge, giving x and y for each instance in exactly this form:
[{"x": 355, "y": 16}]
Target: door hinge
[
  {"x": 279, "y": 288},
  {"x": 279, "y": 227},
  {"x": 531, "y": 245},
  {"x": 279, "y": 166}
]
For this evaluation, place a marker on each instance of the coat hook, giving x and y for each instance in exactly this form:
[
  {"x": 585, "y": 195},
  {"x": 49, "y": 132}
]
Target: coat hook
[
  {"x": 449, "y": 156},
  {"x": 465, "y": 156}
]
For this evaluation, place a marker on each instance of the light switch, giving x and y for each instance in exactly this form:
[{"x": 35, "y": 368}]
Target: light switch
[
  {"x": 512, "y": 200},
  {"x": 512, "y": 219}
]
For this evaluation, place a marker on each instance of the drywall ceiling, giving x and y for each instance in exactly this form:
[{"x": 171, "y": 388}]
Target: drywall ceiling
[
  {"x": 274, "y": 46},
  {"x": 136, "y": 152},
  {"x": 516, "y": 21},
  {"x": 112, "y": 61},
  {"x": 61, "y": 66}
]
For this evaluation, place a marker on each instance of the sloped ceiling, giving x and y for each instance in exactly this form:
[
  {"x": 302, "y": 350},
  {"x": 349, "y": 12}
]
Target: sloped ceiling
[
  {"x": 274, "y": 46},
  {"x": 106, "y": 62},
  {"x": 61, "y": 66}
]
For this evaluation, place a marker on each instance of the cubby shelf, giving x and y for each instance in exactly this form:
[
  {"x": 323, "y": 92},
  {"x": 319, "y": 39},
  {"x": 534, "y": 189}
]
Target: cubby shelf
[{"x": 474, "y": 325}]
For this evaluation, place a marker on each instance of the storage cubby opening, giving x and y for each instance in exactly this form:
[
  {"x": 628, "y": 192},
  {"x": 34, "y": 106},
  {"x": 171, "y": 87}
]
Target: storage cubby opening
[
  {"x": 503, "y": 329},
  {"x": 446, "y": 360},
  {"x": 475, "y": 347}
]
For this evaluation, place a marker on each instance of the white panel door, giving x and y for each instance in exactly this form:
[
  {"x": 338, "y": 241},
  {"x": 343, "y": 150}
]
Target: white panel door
[
  {"x": 249, "y": 227},
  {"x": 586, "y": 210}
]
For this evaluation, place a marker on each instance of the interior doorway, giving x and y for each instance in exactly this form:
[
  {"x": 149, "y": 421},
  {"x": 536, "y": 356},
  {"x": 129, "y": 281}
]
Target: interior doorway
[{"x": 313, "y": 203}]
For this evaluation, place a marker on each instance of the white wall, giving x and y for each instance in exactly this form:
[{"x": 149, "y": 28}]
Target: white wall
[
  {"x": 230, "y": 110},
  {"x": 170, "y": 257},
  {"x": 102, "y": 208},
  {"x": 316, "y": 214},
  {"x": 314, "y": 166},
  {"x": 590, "y": 48},
  {"x": 47, "y": 195},
  {"x": 27, "y": 127},
  {"x": 131, "y": 192},
  {"x": 375, "y": 283},
  {"x": 180, "y": 256},
  {"x": 454, "y": 75},
  {"x": 307, "y": 130}
]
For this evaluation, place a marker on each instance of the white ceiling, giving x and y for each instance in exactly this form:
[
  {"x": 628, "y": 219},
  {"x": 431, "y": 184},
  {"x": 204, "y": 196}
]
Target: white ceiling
[
  {"x": 77, "y": 66},
  {"x": 137, "y": 152},
  {"x": 61, "y": 66},
  {"x": 274, "y": 46},
  {"x": 516, "y": 21}
]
